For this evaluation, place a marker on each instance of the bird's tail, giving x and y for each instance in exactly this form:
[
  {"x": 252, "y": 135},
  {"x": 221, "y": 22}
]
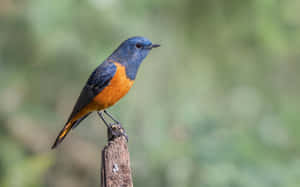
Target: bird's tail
[
  {"x": 63, "y": 133},
  {"x": 70, "y": 125}
]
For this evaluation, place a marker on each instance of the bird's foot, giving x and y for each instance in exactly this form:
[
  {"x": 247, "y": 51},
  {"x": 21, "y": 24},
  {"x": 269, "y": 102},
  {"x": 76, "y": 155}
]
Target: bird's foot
[{"x": 116, "y": 130}]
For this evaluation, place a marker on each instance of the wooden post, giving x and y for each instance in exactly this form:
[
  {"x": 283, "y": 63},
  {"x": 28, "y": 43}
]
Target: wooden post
[{"x": 115, "y": 164}]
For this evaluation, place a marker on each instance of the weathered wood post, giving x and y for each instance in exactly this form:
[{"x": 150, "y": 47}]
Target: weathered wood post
[{"x": 115, "y": 162}]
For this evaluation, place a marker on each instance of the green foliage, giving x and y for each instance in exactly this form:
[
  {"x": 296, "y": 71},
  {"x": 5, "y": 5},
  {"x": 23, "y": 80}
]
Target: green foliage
[
  {"x": 217, "y": 105},
  {"x": 19, "y": 169}
]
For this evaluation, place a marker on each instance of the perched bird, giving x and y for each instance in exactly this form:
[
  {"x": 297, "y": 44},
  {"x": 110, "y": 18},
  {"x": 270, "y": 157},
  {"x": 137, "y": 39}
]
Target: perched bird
[{"x": 109, "y": 82}]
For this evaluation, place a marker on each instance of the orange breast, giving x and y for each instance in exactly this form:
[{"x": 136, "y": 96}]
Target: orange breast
[{"x": 118, "y": 87}]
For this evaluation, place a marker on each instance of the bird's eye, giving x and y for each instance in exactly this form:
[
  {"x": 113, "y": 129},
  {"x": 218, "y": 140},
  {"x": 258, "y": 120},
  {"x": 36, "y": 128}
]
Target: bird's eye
[{"x": 138, "y": 46}]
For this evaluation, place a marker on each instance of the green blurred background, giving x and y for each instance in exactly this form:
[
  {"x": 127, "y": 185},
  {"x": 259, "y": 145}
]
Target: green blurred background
[{"x": 216, "y": 106}]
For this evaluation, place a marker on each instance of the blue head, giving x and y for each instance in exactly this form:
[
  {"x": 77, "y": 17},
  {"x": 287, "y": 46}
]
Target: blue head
[{"x": 131, "y": 53}]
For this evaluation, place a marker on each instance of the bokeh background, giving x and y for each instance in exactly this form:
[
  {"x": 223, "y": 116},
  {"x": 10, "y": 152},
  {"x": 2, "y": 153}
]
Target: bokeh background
[{"x": 216, "y": 106}]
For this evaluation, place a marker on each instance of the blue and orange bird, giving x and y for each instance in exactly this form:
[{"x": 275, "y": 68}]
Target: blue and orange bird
[{"x": 109, "y": 82}]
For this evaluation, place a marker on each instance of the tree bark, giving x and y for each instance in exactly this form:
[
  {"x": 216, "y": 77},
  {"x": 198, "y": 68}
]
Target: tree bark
[{"x": 115, "y": 164}]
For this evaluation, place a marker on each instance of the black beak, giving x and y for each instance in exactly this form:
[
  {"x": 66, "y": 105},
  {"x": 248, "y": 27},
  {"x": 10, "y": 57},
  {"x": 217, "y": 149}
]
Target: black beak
[{"x": 155, "y": 46}]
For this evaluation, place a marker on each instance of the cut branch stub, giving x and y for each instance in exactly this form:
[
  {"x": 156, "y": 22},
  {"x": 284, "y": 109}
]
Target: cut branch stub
[{"x": 115, "y": 169}]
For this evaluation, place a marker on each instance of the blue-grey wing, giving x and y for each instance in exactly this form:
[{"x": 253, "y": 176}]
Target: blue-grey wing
[{"x": 97, "y": 81}]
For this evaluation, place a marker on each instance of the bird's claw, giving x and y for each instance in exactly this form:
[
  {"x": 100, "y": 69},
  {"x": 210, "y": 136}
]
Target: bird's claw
[{"x": 116, "y": 130}]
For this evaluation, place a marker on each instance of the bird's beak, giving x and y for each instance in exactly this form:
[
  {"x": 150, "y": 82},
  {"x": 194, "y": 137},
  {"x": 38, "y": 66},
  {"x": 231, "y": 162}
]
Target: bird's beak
[{"x": 155, "y": 46}]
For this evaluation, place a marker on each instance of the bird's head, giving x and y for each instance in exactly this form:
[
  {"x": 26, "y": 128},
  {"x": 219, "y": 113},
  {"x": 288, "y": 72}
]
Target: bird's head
[
  {"x": 133, "y": 49},
  {"x": 132, "y": 52}
]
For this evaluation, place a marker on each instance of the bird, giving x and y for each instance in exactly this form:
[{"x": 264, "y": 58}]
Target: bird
[{"x": 108, "y": 83}]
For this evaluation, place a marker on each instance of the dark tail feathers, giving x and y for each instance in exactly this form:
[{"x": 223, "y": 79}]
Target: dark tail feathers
[{"x": 63, "y": 133}]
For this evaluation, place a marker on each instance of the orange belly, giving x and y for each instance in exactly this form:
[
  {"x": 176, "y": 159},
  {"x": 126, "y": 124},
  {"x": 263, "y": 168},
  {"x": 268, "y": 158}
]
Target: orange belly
[{"x": 118, "y": 86}]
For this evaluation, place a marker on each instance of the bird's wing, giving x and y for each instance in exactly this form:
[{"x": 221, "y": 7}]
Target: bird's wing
[{"x": 98, "y": 80}]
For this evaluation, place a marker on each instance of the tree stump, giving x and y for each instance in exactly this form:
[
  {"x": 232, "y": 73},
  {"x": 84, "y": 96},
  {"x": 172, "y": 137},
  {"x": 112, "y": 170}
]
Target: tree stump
[{"x": 115, "y": 164}]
